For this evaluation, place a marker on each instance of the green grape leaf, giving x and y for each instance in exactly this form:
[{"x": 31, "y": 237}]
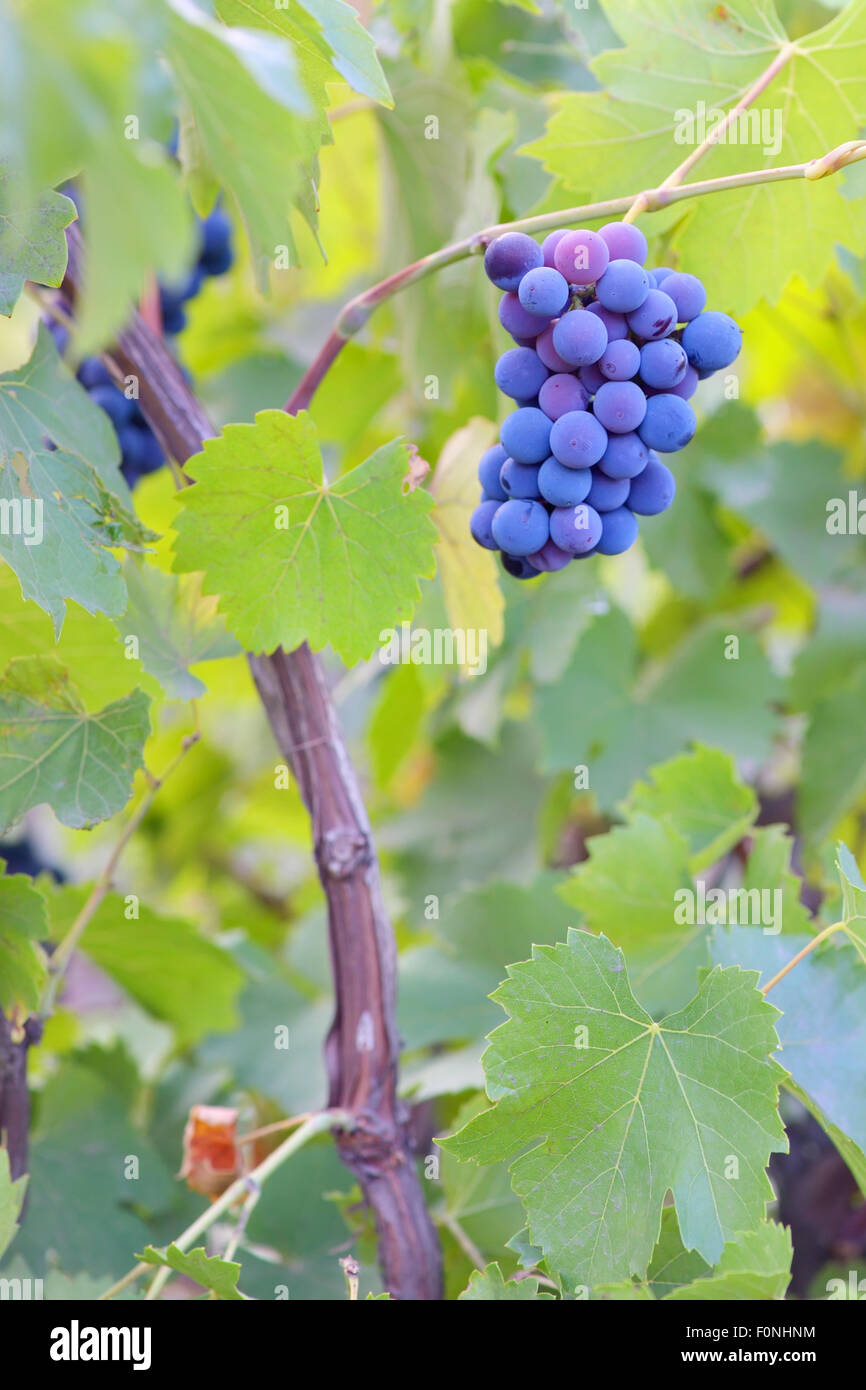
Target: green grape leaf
[
  {"x": 488, "y": 1286},
  {"x": 331, "y": 28},
  {"x": 678, "y": 63},
  {"x": 594, "y": 1102},
  {"x": 32, "y": 241},
  {"x": 699, "y": 795},
  {"x": 822, "y": 1031},
  {"x": 755, "y": 1267},
  {"x": 86, "y": 1208},
  {"x": 175, "y": 627},
  {"x": 834, "y": 758},
  {"x": 783, "y": 491},
  {"x": 632, "y": 716},
  {"x": 11, "y": 1201},
  {"x": 169, "y": 967},
  {"x": 220, "y": 1276},
  {"x": 23, "y": 924},
  {"x": 246, "y": 108},
  {"x": 68, "y": 504},
  {"x": 294, "y": 558},
  {"x": 53, "y": 750}
]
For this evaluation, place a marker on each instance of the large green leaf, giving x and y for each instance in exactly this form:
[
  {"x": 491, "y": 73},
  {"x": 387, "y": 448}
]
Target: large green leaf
[
  {"x": 53, "y": 750},
  {"x": 329, "y": 30},
  {"x": 744, "y": 243},
  {"x": 23, "y": 924},
  {"x": 246, "y": 107},
  {"x": 596, "y": 1103},
  {"x": 163, "y": 962},
  {"x": 60, "y": 462},
  {"x": 293, "y": 557}
]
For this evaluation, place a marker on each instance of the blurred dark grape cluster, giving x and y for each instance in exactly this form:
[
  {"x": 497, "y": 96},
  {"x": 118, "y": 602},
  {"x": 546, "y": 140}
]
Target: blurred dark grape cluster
[{"x": 140, "y": 449}]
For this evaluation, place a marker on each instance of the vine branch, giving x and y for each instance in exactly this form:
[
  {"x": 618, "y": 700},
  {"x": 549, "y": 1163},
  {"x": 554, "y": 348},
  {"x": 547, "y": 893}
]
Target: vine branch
[
  {"x": 363, "y": 1047},
  {"x": 355, "y": 314}
]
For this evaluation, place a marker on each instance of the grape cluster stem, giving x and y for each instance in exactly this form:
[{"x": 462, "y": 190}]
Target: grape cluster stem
[{"x": 355, "y": 314}]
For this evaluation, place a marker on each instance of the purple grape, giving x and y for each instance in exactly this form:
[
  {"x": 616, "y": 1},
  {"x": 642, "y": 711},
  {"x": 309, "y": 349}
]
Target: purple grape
[
  {"x": 550, "y": 558},
  {"x": 520, "y": 527},
  {"x": 614, "y": 323},
  {"x": 518, "y": 321},
  {"x": 581, "y": 257},
  {"x": 509, "y": 257},
  {"x": 561, "y": 393},
  {"x": 525, "y": 436},
  {"x": 661, "y": 273},
  {"x": 663, "y": 364},
  {"x": 712, "y": 341},
  {"x": 655, "y": 318},
  {"x": 520, "y": 480},
  {"x": 654, "y": 490},
  {"x": 580, "y": 338},
  {"x": 563, "y": 487},
  {"x": 519, "y": 567},
  {"x": 620, "y": 406},
  {"x": 620, "y": 360},
  {"x": 521, "y": 373},
  {"x": 625, "y": 242},
  {"x": 550, "y": 243},
  {"x": 216, "y": 251},
  {"x": 688, "y": 294},
  {"x": 592, "y": 378},
  {"x": 544, "y": 292},
  {"x": 93, "y": 372},
  {"x": 577, "y": 439},
  {"x": 689, "y": 384},
  {"x": 547, "y": 352},
  {"x": 623, "y": 287},
  {"x": 575, "y": 529},
  {"x": 118, "y": 407},
  {"x": 606, "y": 494},
  {"x": 489, "y": 468},
  {"x": 480, "y": 523},
  {"x": 618, "y": 532},
  {"x": 669, "y": 423},
  {"x": 625, "y": 457}
]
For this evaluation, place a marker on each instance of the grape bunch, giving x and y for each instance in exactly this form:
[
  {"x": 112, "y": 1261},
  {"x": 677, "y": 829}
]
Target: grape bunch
[
  {"x": 140, "y": 449},
  {"x": 608, "y": 356}
]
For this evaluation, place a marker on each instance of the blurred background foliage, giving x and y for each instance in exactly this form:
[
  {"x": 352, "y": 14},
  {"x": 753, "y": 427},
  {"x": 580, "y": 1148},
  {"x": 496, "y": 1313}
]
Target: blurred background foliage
[{"x": 470, "y": 780}]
